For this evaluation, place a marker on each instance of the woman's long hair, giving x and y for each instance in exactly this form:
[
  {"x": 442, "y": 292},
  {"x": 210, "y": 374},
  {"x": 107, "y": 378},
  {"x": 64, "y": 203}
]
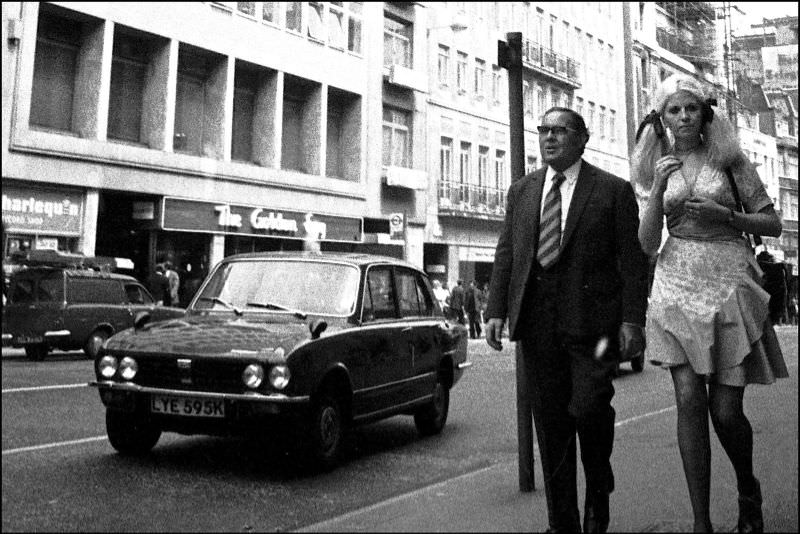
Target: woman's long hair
[{"x": 718, "y": 136}]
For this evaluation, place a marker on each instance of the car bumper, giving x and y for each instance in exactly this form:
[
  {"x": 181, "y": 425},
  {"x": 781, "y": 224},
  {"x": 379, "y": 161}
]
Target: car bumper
[{"x": 240, "y": 408}]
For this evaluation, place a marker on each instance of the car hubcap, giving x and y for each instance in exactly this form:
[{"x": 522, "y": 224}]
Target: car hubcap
[{"x": 329, "y": 428}]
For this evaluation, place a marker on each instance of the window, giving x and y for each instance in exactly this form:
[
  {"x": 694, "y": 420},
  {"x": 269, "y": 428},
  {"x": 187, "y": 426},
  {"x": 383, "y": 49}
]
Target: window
[
  {"x": 612, "y": 125},
  {"x": 269, "y": 12},
  {"x": 602, "y": 122},
  {"x": 337, "y": 27},
  {"x": 397, "y": 43},
  {"x": 530, "y": 164},
  {"x": 58, "y": 43},
  {"x": 244, "y": 95},
  {"x": 409, "y": 295},
  {"x": 496, "y": 80},
  {"x": 541, "y": 102},
  {"x": 194, "y": 72},
  {"x": 446, "y": 160},
  {"x": 483, "y": 171},
  {"x": 128, "y": 73},
  {"x": 500, "y": 170},
  {"x": 354, "y": 27},
  {"x": 579, "y": 105},
  {"x": 527, "y": 99},
  {"x": 294, "y": 16},
  {"x": 480, "y": 73},
  {"x": 591, "y": 124},
  {"x": 464, "y": 171},
  {"x": 379, "y": 298},
  {"x": 396, "y": 138},
  {"x": 444, "y": 65},
  {"x": 461, "y": 73},
  {"x": 316, "y": 24},
  {"x": 248, "y": 8}
]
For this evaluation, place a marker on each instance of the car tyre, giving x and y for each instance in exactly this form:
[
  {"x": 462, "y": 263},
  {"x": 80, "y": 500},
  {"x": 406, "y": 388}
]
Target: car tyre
[
  {"x": 637, "y": 364},
  {"x": 36, "y": 353},
  {"x": 131, "y": 435},
  {"x": 430, "y": 419},
  {"x": 92, "y": 346},
  {"x": 327, "y": 431}
]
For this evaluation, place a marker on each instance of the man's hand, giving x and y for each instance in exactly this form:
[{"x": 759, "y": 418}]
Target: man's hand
[
  {"x": 631, "y": 340},
  {"x": 494, "y": 333}
]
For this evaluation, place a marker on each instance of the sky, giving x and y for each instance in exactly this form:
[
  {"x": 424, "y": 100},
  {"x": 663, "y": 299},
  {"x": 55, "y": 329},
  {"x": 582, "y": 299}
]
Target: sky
[{"x": 755, "y": 11}]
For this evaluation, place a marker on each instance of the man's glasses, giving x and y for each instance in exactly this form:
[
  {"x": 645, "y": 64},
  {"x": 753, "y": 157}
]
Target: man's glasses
[{"x": 558, "y": 131}]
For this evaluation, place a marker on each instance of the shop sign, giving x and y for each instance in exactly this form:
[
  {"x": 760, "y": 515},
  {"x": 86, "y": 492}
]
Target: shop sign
[
  {"x": 41, "y": 211},
  {"x": 190, "y": 215},
  {"x": 477, "y": 254}
]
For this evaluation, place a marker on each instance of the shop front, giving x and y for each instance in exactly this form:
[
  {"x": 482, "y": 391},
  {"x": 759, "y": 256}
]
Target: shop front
[
  {"x": 37, "y": 218},
  {"x": 194, "y": 235}
]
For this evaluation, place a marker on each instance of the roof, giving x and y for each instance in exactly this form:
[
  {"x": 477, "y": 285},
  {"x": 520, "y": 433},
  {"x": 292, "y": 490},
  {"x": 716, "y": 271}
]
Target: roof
[
  {"x": 76, "y": 273},
  {"x": 356, "y": 258}
]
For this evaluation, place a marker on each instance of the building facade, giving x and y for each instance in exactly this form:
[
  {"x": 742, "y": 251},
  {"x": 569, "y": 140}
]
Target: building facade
[{"x": 192, "y": 131}]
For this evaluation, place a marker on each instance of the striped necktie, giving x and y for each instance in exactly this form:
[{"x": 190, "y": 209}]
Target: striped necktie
[{"x": 550, "y": 225}]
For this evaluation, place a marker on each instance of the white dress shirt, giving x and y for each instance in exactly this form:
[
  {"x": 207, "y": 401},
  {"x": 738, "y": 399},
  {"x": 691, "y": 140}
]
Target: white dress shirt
[{"x": 567, "y": 188}]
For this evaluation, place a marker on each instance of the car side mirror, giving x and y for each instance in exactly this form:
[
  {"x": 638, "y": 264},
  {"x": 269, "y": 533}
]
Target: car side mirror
[
  {"x": 317, "y": 327},
  {"x": 141, "y": 319}
]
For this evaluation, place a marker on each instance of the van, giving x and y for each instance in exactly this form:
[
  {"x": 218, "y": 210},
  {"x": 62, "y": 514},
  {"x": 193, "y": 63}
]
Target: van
[{"x": 72, "y": 308}]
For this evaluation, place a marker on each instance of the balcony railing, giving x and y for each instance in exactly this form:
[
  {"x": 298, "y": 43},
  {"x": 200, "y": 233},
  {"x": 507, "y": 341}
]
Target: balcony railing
[
  {"x": 471, "y": 199},
  {"x": 548, "y": 61}
]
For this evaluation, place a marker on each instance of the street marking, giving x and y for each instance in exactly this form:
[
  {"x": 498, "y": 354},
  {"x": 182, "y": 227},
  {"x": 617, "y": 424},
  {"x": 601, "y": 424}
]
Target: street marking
[
  {"x": 44, "y": 388},
  {"x": 52, "y": 445},
  {"x": 637, "y": 417}
]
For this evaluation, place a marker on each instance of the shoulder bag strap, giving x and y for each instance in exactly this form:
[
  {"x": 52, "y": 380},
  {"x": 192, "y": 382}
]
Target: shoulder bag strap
[{"x": 739, "y": 205}]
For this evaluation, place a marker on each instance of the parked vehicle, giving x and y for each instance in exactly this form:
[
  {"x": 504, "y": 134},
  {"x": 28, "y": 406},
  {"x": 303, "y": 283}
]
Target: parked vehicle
[
  {"x": 66, "y": 304},
  {"x": 313, "y": 343}
]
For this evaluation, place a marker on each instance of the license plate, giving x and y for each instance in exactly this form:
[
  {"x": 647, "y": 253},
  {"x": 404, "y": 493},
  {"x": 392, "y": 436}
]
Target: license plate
[
  {"x": 29, "y": 339},
  {"x": 187, "y": 406}
]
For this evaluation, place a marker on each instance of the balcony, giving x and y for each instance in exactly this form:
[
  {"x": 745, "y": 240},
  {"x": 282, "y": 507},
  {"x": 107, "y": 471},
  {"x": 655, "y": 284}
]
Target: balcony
[
  {"x": 473, "y": 201},
  {"x": 549, "y": 63}
]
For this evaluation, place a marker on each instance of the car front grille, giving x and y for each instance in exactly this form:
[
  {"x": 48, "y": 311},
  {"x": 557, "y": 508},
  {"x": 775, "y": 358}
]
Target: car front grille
[{"x": 203, "y": 375}]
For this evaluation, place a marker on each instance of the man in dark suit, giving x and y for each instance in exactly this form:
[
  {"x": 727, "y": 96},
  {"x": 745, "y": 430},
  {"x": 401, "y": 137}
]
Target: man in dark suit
[
  {"x": 457, "y": 301},
  {"x": 571, "y": 277}
]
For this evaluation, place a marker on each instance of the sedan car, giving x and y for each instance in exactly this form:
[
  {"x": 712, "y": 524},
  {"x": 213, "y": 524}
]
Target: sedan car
[{"x": 286, "y": 342}]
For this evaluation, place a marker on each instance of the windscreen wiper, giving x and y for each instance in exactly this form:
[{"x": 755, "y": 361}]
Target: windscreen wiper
[
  {"x": 228, "y": 305},
  {"x": 274, "y": 306}
]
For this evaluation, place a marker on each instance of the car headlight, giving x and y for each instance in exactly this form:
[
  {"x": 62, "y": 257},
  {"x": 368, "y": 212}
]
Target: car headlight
[
  {"x": 279, "y": 376},
  {"x": 107, "y": 366},
  {"x": 253, "y": 375},
  {"x": 128, "y": 368}
]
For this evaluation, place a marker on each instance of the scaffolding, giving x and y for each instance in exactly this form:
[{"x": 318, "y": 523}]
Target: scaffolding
[{"x": 688, "y": 29}]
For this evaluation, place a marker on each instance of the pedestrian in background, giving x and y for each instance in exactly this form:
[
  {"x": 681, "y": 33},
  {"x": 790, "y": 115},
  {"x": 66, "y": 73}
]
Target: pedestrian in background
[
  {"x": 707, "y": 320},
  {"x": 472, "y": 303},
  {"x": 442, "y": 295},
  {"x": 572, "y": 279},
  {"x": 174, "y": 280},
  {"x": 159, "y": 286},
  {"x": 457, "y": 301}
]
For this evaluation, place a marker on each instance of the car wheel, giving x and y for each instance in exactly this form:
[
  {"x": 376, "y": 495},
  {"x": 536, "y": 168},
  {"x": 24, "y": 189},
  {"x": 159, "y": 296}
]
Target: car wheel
[
  {"x": 131, "y": 435},
  {"x": 92, "y": 346},
  {"x": 36, "y": 353},
  {"x": 327, "y": 429},
  {"x": 431, "y": 418},
  {"x": 637, "y": 364}
]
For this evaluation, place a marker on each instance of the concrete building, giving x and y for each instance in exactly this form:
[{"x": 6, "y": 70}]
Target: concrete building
[
  {"x": 572, "y": 56},
  {"x": 768, "y": 53},
  {"x": 192, "y": 131}
]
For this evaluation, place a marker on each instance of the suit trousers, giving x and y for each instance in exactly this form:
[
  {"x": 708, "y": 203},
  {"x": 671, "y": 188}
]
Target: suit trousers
[{"x": 570, "y": 392}]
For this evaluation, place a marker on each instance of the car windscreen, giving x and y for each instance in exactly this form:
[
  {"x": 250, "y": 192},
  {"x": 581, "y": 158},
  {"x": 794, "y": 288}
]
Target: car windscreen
[{"x": 308, "y": 287}]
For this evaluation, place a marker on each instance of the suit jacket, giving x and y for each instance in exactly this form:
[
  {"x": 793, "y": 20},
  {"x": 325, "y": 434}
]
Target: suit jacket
[{"x": 602, "y": 270}]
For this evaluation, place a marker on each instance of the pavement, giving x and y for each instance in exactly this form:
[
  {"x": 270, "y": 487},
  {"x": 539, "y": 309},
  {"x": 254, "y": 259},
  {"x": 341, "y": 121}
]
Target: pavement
[{"x": 650, "y": 495}]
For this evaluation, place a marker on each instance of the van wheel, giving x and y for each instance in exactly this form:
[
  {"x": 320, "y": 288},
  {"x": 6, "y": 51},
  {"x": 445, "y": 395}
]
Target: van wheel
[
  {"x": 36, "y": 353},
  {"x": 93, "y": 344},
  {"x": 130, "y": 434}
]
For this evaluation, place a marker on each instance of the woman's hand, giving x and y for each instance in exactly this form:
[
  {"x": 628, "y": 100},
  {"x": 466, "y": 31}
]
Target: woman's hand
[
  {"x": 666, "y": 166},
  {"x": 705, "y": 210}
]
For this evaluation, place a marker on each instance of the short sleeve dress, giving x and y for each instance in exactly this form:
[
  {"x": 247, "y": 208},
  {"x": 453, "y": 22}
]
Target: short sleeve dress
[{"x": 707, "y": 307}]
